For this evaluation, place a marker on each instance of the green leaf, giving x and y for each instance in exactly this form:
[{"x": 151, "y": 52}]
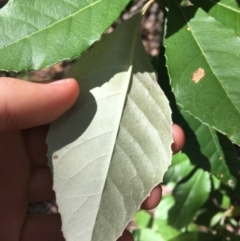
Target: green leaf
[
  {"x": 180, "y": 168},
  {"x": 142, "y": 219},
  {"x": 217, "y": 154},
  {"x": 114, "y": 145},
  {"x": 35, "y": 34},
  {"x": 226, "y": 202},
  {"x": 203, "y": 58},
  {"x": 147, "y": 234},
  {"x": 225, "y": 11},
  {"x": 163, "y": 208},
  {"x": 189, "y": 197},
  {"x": 216, "y": 219},
  {"x": 160, "y": 222},
  {"x": 205, "y": 147}
]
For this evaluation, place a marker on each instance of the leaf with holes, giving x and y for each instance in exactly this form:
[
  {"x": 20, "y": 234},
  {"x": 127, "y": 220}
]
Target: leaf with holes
[
  {"x": 48, "y": 32},
  {"x": 205, "y": 81},
  {"x": 114, "y": 145}
]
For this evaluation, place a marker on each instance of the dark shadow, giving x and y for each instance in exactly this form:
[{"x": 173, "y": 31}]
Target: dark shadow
[
  {"x": 3, "y": 3},
  {"x": 178, "y": 16},
  {"x": 205, "y": 5},
  {"x": 238, "y": 2},
  {"x": 231, "y": 159}
]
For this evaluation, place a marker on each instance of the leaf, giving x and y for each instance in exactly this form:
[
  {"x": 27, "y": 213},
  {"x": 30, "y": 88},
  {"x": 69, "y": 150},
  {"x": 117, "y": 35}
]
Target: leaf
[
  {"x": 205, "y": 147},
  {"x": 226, "y": 202},
  {"x": 163, "y": 208},
  {"x": 142, "y": 219},
  {"x": 180, "y": 168},
  {"x": 225, "y": 11},
  {"x": 216, "y": 219},
  {"x": 48, "y": 32},
  {"x": 160, "y": 223},
  {"x": 147, "y": 234},
  {"x": 218, "y": 156},
  {"x": 189, "y": 197},
  {"x": 114, "y": 146},
  {"x": 197, "y": 40}
]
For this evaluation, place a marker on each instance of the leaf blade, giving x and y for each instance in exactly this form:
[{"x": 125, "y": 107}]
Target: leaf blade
[
  {"x": 218, "y": 155},
  {"x": 49, "y": 31},
  {"x": 113, "y": 74},
  {"x": 226, "y": 12},
  {"x": 190, "y": 196},
  {"x": 214, "y": 100},
  {"x": 205, "y": 147}
]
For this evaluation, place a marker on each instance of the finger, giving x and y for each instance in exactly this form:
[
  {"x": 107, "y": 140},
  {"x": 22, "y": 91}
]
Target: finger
[
  {"x": 127, "y": 236},
  {"x": 178, "y": 137},
  {"x": 24, "y": 104},
  {"x": 154, "y": 199},
  {"x": 15, "y": 174},
  {"x": 42, "y": 227},
  {"x": 40, "y": 188},
  {"x": 36, "y": 145}
]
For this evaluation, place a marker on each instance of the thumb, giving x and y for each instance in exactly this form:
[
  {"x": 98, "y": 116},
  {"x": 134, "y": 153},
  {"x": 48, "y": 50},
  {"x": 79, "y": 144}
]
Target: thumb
[{"x": 24, "y": 104}]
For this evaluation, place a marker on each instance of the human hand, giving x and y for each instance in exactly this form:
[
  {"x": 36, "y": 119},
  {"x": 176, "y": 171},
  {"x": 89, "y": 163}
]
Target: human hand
[
  {"x": 25, "y": 109},
  {"x": 24, "y": 175}
]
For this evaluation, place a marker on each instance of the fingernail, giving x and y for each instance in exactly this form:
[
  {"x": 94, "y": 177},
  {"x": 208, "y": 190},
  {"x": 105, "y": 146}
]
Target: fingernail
[{"x": 62, "y": 81}]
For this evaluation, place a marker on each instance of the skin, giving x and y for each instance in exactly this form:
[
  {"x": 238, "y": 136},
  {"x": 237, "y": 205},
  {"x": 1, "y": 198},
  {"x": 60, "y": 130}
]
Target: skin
[{"x": 25, "y": 111}]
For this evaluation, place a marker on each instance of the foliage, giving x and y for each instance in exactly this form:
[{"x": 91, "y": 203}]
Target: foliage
[
  {"x": 110, "y": 150},
  {"x": 107, "y": 118}
]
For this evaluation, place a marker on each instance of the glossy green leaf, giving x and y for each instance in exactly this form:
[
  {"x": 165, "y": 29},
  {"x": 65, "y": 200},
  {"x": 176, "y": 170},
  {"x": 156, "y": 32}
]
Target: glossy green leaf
[
  {"x": 114, "y": 145},
  {"x": 211, "y": 151},
  {"x": 160, "y": 222},
  {"x": 179, "y": 169},
  {"x": 225, "y": 11},
  {"x": 203, "y": 59},
  {"x": 205, "y": 147},
  {"x": 189, "y": 196},
  {"x": 35, "y": 34}
]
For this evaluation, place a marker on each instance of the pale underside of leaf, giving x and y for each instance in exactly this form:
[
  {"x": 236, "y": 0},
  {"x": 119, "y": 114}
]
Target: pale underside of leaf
[
  {"x": 203, "y": 42},
  {"x": 114, "y": 146},
  {"x": 36, "y": 34}
]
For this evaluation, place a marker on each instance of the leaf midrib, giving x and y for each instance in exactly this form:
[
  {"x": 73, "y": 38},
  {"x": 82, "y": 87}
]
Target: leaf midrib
[
  {"x": 129, "y": 72},
  {"x": 51, "y": 25},
  {"x": 207, "y": 59},
  {"x": 224, "y": 6}
]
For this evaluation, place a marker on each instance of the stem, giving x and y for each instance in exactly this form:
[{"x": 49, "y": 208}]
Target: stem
[{"x": 146, "y": 6}]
